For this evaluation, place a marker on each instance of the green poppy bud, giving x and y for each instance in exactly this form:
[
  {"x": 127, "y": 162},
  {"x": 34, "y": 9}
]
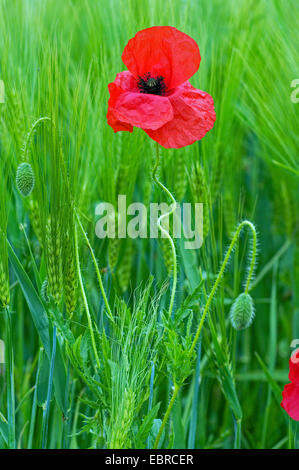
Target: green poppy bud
[
  {"x": 25, "y": 179},
  {"x": 242, "y": 312}
]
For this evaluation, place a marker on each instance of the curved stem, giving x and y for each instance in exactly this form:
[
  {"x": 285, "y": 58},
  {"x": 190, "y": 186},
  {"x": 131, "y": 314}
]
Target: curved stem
[
  {"x": 31, "y": 132},
  {"x": 253, "y": 257},
  {"x": 28, "y": 140},
  {"x": 206, "y": 309},
  {"x": 97, "y": 269},
  {"x": 85, "y": 301},
  {"x": 25, "y": 149},
  {"x": 165, "y": 232},
  {"x": 221, "y": 272},
  {"x": 166, "y": 416}
]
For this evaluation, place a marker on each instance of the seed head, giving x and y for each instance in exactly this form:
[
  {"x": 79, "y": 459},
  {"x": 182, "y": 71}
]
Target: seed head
[
  {"x": 25, "y": 179},
  {"x": 44, "y": 291}
]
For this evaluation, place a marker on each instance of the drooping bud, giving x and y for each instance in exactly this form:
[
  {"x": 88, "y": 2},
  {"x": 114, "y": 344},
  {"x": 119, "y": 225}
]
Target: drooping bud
[
  {"x": 25, "y": 179},
  {"x": 242, "y": 312}
]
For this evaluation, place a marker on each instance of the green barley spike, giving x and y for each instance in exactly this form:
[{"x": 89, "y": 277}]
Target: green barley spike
[
  {"x": 229, "y": 213},
  {"x": 122, "y": 180},
  {"x": 70, "y": 279},
  {"x": 120, "y": 438},
  {"x": 35, "y": 219},
  {"x": 125, "y": 268},
  {"x": 242, "y": 312},
  {"x": 25, "y": 179},
  {"x": 200, "y": 194},
  {"x": 54, "y": 266},
  {"x": 18, "y": 114},
  {"x": 217, "y": 171},
  {"x": 113, "y": 252},
  {"x": 44, "y": 291},
  {"x": 4, "y": 287}
]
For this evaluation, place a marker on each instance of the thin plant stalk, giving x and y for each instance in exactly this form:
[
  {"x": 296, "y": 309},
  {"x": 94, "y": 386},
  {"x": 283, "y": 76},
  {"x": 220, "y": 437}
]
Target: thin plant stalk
[
  {"x": 85, "y": 301},
  {"x": 97, "y": 270},
  {"x": 165, "y": 232},
  {"x": 49, "y": 393},
  {"x": 10, "y": 383},
  {"x": 176, "y": 389},
  {"x": 150, "y": 401},
  {"x": 193, "y": 422},
  {"x": 34, "y": 406},
  {"x": 222, "y": 270},
  {"x": 238, "y": 433}
]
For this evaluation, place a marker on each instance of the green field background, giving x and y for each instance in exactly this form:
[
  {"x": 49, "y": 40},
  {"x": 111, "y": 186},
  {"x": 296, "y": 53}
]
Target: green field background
[{"x": 111, "y": 381}]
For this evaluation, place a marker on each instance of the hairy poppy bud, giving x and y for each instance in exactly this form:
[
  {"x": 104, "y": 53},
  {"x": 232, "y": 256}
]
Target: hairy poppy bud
[
  {"x": 25, "y": 179},
  {"x": 242, "y": 312}
]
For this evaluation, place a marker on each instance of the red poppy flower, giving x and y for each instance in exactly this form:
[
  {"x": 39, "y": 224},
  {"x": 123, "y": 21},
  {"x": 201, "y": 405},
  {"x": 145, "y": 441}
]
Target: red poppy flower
[
  {"x": 290, "y": 393},
  {"x": 155, "y": 93}
]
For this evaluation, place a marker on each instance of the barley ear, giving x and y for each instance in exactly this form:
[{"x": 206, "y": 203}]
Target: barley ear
[
  {"x": 181, "y": 180},
  {"x": 120, "y": 438},
  {"x": 70, "y": 284},
  {"x": 4, "y": 286},
  {"x": 113, "y": 252},
  {"x": 35, "y": 220},
  {"x": 53, "y": 242},
  {"x": 125, "y": 268},
  {"x": 200, "y": 194},
  {"x": 44, "y": 291}
]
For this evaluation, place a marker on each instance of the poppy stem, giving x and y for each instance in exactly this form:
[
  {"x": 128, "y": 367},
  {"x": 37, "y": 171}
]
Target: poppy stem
[
  {"x": 252, "y": 260},
  {"x": 245, "y": 223},
  {"x": 163, "y": 230},
  {"x": 166, "y": 416}
]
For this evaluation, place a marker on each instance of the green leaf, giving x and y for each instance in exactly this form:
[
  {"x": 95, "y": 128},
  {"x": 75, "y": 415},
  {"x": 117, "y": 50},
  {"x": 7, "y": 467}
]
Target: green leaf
[
  {"x": 43, "y": 379},
  {"x": 3, "y": 428},
  {"x": 190, "y": 264},
  {"x": 146, "y": 427},
  {"x": 154, "y": 433},
  {"x": 41, "y": 322},
  {"x": 178, "y": 427},
  {"x": 35, "y": 305},
  {"x": 275, "y": 388}
]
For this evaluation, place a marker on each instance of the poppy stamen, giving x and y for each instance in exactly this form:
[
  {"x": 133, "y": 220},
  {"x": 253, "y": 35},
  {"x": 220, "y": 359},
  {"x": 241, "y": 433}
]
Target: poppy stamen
[{"x": 151, "y": 85}]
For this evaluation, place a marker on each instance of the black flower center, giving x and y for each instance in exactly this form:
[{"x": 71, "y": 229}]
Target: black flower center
[{"x": 151, "y": 85}]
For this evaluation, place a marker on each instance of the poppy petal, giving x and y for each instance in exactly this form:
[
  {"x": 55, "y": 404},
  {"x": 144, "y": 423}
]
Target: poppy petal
[
  {"x": 143, "y": 110},
  {"x": 117, "y": 125},
  {"x": 162, "y": 51},
  {"x": 294, "y": 367},
  {"x": 290, "y": 401},
  {"x": 126, "y": 81},
  {"x": 194, "y": 116}
]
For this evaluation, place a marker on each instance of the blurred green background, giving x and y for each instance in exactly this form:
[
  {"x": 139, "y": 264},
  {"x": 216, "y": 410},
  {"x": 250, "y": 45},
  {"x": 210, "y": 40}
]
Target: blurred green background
[{"x": 56, "y": 60}]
